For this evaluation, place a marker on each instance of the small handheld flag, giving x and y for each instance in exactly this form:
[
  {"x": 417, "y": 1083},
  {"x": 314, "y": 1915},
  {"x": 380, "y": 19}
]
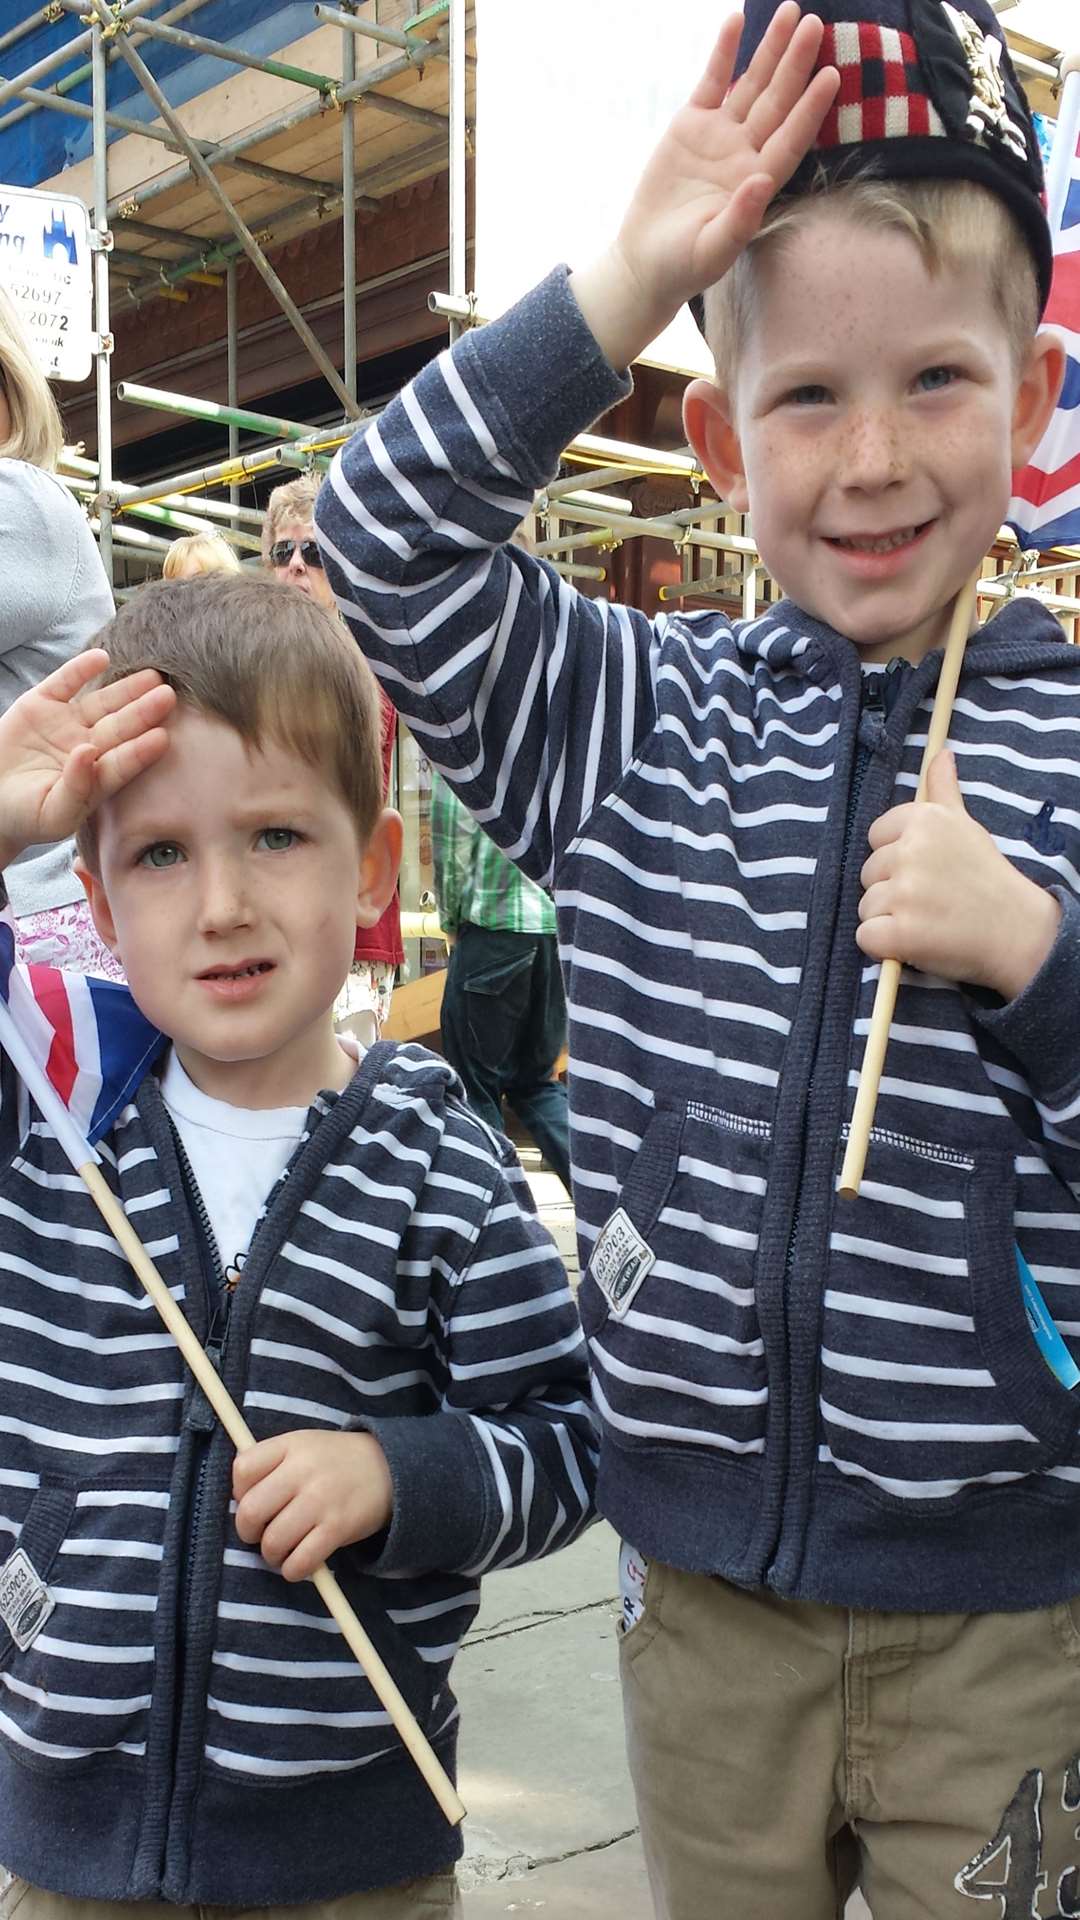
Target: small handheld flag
[{"x": 1045, "y": 508}]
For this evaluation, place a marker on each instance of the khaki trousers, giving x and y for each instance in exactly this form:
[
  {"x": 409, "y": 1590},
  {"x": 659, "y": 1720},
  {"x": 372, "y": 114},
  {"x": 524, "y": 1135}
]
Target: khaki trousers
[
  {"x": 782, "y": 1753},
  {"x": 436, "y": 1898}
]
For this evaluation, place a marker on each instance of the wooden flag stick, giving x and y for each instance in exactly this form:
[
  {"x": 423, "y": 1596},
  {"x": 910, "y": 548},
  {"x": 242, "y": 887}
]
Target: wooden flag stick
[
  {"x": 877, "y": 1039},
  {"x": 241, "y": 1436}
]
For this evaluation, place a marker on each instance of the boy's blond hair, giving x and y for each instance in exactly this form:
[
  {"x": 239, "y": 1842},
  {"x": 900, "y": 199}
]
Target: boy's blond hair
[
  {"x": 294, "y": 502},
  {"x": 956, "y": 225},
  {"x": 36, "y": 434},
  {"x": 271, "y": 665},
  {"x": 196, "y": 553}
]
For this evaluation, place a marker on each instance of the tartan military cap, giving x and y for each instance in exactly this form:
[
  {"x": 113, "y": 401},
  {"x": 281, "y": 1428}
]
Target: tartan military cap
[{"x": 927, "y": 91}]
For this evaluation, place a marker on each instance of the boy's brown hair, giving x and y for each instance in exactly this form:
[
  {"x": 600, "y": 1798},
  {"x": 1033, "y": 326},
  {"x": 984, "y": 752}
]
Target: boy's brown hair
[
  {"x": 272, "y": 665},
  {"x": 955, "y": 224}
]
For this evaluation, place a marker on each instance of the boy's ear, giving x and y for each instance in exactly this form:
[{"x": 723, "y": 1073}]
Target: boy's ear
[
  {"x": 99, "y": 904},
  {"x": 379, "y": 868},
  {"x": 708, "y": 418},
  {"x": 1038, "y": 389}
]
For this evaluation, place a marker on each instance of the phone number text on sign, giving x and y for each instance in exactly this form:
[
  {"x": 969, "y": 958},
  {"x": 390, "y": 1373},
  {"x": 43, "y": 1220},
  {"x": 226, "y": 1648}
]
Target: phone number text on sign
[{"x": 45, "y": 269}]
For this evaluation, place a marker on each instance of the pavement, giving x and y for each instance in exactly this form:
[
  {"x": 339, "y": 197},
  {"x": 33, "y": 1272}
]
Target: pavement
[{"x": 552, "y": 1828}]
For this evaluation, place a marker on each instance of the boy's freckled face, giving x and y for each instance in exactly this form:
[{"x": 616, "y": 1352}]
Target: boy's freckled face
[
  {"x": 229, "y": 880},
  {"x": 874, "y": 409}
]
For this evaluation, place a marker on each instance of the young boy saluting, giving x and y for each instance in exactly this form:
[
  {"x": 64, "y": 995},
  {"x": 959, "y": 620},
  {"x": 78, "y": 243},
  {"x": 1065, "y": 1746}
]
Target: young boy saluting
[
  {"x": 177, "y": 1724},
  {"x": 834, "y": 1450}
]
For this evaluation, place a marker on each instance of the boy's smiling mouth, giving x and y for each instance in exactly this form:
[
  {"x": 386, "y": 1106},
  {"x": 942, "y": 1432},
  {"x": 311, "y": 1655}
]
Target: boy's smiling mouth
[
  {"x": 878, "y": 542},
  {"x": 236, "y": 978}
]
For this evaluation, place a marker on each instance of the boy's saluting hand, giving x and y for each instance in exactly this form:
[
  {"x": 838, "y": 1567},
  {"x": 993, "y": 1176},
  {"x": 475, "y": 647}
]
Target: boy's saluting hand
[
  {"x": 702, "y": 195},
  {"x": 941, "y": 896},
  {"x": 62, "y": 749}
]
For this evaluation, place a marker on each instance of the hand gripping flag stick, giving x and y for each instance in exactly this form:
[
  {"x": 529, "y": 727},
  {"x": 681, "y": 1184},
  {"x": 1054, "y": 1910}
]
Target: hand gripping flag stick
[
  {"x": 877, "y": 1039},
  {"x": 87, "y": 1165}
]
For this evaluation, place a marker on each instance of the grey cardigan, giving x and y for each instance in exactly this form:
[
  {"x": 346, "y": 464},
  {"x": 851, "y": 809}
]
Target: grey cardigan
[{"x": 53, "y": 599}]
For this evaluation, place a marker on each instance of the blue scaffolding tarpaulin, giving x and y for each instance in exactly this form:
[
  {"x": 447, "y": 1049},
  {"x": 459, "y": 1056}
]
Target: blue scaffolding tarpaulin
[{"x": 40, "y": 145}]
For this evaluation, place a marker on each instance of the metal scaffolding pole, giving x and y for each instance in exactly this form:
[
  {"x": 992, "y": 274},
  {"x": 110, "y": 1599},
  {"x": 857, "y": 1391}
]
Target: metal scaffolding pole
[
  {"x": 82, "y": 43},
  {"x": 103, "y": 344},
  {"x": 348, "y": 210},
  {"x": 232, "y": 379},
  {"x": 198, "y": 43},
  {"x": 221, "y": 474},
  {"x": 78, "y": 74},
  {"x": 240, "y": 228},
  {"x": 123, "y": 123},
  {"x": 282, "y": 122},
  {"x": 404, "y": 110},
  {"x": 418, "y": 49},
  {"x": 20, "y": 32},
  {"x": 414, "y": 44},
  {"x": 195, "y": 408},
  {"x": 459, "y": 287}
]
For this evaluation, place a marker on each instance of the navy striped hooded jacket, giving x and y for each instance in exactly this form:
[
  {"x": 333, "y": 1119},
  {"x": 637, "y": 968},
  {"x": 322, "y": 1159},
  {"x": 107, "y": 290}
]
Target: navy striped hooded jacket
[
  {"x": 183, "y": 1724},
  {"x": 842, "y": 1400}
]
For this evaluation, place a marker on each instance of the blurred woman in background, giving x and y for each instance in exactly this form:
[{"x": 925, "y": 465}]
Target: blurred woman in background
[
  {"x": 195, "y": 553},
  {"x": 54, "y": 598}
]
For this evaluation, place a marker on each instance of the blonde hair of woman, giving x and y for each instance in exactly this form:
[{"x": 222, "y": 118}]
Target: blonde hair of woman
[{"x": 196, "y": 553}]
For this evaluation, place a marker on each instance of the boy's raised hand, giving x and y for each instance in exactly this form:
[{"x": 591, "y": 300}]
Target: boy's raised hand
[
  {"x": 63, "y": 748},
  {"x": 705, "y": 189}
]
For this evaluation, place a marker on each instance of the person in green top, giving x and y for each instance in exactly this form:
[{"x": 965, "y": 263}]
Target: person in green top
[{"x": 503, "y": 1010}]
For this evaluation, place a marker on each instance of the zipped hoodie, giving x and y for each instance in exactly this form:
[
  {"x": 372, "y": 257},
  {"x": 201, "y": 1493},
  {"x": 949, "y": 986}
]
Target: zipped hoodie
[
  {"x": 185, "y": 1725},
  {"x": 841, "y": 1400}
]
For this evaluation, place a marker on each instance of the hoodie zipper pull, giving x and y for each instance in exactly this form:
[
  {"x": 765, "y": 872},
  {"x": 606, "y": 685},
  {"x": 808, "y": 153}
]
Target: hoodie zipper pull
[{"x": 873, "y": 710}]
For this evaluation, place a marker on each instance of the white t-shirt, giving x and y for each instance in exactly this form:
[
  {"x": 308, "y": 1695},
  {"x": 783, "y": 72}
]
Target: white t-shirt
[{"x": 236, "y": 1154}]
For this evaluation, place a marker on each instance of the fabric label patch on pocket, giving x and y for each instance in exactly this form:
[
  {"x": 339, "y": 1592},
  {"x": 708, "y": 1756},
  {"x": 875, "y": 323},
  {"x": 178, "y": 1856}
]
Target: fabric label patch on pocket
[
  {"x": 25, "y": 1600},
  {"x": 620, "y": 1261}
]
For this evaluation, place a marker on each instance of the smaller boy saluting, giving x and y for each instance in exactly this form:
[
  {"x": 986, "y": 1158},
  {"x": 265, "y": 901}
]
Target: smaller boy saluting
[
  {"x": 180, "y": 1726},
  {"x": 848, "y": 1481}
]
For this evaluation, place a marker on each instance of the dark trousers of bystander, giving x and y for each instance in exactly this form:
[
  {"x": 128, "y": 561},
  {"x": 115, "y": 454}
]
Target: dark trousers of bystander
[{"x": 503, "y": 1028}]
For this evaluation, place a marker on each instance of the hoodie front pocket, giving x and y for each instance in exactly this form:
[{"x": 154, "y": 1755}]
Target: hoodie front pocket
[
  {"x": 931, "y": 1380},
  {"x": 81, "y": 1684},
  {"x": 668, "y": 1300}
]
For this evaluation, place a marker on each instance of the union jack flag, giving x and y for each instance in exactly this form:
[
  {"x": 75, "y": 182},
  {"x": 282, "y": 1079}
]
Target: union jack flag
[
  {"x": 80, "y": 1045},
  {"x": 1045, "y": 508}
]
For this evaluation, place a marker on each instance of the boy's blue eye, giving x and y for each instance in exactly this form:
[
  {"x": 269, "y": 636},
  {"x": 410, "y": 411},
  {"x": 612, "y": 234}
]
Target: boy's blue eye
[
  {"x": 808, "y": 396},
  {"x": 163, "y": 854},
  {"x": 932, "y": 379},
  {"x": 278, "y": 839}
]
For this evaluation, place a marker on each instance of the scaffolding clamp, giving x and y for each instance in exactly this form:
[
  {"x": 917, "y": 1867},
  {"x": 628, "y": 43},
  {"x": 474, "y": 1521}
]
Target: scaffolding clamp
[
  {"x": 102, "y": 343},
  {"x": 101, "y": 240},
  {"x": 128, "y": 209},
  {"x": 330, "y": 97},
  {"x": 461, "y": 307},
  {"x": 52, "y": 13}
]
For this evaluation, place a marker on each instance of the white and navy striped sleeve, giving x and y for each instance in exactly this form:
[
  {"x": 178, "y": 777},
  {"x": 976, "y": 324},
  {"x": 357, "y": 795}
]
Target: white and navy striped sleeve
[
  {"x": 504, "y": 1470},
  {"x": 1040, "y": 1030},
  {"x": 531, "y": 697}
]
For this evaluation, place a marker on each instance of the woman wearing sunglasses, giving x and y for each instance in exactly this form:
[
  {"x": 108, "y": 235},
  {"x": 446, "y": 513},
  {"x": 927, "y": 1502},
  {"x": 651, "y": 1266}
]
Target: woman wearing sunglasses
[
  {"x": 290, "y": 552},
  {"x": 54, "y": 597}
]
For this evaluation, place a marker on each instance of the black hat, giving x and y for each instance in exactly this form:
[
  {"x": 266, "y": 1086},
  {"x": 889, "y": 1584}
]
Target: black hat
[{"x": 927, "y": 91}]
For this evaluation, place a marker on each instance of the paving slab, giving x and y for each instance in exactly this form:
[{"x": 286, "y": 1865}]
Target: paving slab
[
  {"x": 542, "y": 1767},
  {"x": 609, "y": 1884}
]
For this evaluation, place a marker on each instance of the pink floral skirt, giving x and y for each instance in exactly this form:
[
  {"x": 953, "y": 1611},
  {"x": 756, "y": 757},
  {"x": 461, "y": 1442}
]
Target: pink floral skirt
[{"x": 65, "y": 937}]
